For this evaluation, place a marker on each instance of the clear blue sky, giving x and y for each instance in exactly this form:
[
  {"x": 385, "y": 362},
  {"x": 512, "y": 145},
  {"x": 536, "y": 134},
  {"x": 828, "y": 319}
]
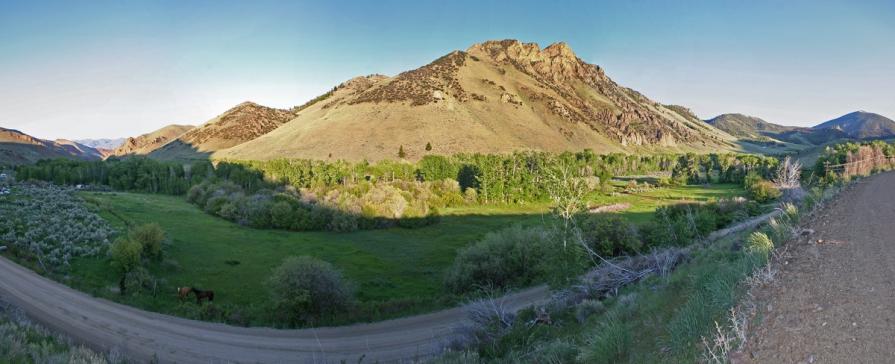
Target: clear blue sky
[{"x": 81, "y": 69}]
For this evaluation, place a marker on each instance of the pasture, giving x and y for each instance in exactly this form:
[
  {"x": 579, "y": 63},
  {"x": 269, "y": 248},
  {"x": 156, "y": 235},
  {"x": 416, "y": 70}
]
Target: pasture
[{"x": 396, "y": 271}]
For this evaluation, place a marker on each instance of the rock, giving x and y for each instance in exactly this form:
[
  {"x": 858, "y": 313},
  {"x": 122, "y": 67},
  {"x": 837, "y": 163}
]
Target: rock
[
  {"x": 806, "y": 232},
  {"x": 438, "y": 95},
  {"x": 510, "y": 99}
]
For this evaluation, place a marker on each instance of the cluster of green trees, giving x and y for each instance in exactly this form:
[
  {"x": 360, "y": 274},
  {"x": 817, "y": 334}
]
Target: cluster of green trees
[
  {"x": 513, "y": 178},
  {"x": 722, "y": 168},
  {"x": 345, "y": 196},
  {"x": 142, "y": 174},
  {"x": 131, "y": 253},
  {"x": 518, "y": 256},
  {"x": 850, "y": 159},
  {"x": 284, "y": 207}
]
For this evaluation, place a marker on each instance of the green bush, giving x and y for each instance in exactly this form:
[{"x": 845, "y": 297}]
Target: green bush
[
  {"x": 126, "y": 254},
  {"x": 763, "y": 191},
  {"x": 759, "y": 243},
  {"x": 609, "y": 235},
  {"x": 511, "y": 257},
  {"x": 281, "y": 215},
  {"x": 760, "y": 189},
  {"x": 302, "y": 289},
  {"x": 150, "y": 237}
]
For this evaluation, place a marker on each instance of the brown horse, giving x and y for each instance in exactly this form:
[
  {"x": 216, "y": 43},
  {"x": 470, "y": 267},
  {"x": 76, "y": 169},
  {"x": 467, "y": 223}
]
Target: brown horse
[
  {"x": 200, "y": 295},
  {"x": 183, "y": 293}
]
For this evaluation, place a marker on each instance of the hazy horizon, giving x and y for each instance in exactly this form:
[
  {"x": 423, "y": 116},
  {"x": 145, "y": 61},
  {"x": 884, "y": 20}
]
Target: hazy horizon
[{"x": 113, "y": 69}]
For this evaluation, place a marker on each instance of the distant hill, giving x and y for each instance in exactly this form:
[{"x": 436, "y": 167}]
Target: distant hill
[
  {"x": 147, "y": 143},
  {"x": 862, "y": 125},
  {"x": 240, "y": 124},
  {"x": 497, "y": 96},
  {"x": 747, "y": 127},
  {"x": 20, "y": 148},
  {"x": 110, "y": 144}
]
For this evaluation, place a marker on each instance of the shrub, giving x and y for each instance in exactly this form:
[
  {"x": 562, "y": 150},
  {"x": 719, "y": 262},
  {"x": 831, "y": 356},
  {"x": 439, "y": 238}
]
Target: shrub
[
  {"x": 137, "y": 280},
  {"x": 256, "y": 211},
  {"x": 304, "y": 288},
  {"x": 281, "y": 215},
  {"x": 763, "y": 191},
  {"x": 196, "y": 194},
  {"x": 608, "y": 234},
  {"x": 509, "y": 257},
  {"x": 759, "y": 243},
  {"x": 343, "y": 222},
  {"x": 760, "y": 189},
  {"x": 213, "y": 205},
  {"x": 588, "y": 308},
  {"x": 126, "y": 254},
  {"x": 150, "y": 237}
]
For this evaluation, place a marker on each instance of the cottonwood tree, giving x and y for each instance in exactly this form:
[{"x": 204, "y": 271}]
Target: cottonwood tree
[{"x": 568, "y": 192}]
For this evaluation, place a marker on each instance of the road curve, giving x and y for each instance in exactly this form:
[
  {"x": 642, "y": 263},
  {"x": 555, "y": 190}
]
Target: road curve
[{"x": 142, "y": 336}]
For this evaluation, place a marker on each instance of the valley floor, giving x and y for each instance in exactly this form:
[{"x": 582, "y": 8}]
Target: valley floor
[{"x": 397, "y": 271}]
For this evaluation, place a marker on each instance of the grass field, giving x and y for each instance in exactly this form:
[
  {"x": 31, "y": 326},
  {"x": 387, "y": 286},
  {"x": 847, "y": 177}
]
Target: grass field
[{"x": 396, "y": 271}]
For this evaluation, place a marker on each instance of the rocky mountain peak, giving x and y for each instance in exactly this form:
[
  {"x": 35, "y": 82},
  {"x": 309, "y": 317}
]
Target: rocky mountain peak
[{"x": 557, "y": 62}]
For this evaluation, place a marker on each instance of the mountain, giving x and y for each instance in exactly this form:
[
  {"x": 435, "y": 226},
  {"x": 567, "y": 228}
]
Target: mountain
[
  {"x": 146, "y": 143},
  {"x": 241, "y": 124},
  {"x": 497, "y": 96},
  {"x": 109, "y": 144},
  {"x": 20, "y": 148},
  {"x": 747, "y": 127},
  {"x": 862, "y": 125}
]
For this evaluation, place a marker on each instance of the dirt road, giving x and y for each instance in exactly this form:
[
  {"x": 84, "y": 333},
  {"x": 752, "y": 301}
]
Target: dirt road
[
  {"x": 140, "y": 335},
  {"x": 834, "y": 300}
]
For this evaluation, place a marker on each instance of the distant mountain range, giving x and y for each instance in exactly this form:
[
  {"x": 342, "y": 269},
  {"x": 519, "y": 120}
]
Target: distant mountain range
[
  {"x": 107, "y": 144},
  {"x": 494, "y": 97},
  {"x": 807, "y": 144},
  {"x": 854, "y": 126},
  {"x": 17, "y": 148}
]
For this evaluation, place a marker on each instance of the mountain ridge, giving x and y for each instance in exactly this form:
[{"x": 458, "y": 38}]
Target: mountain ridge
[
  {"x": 16, "y": 147},
  {"x": 495, "y": 97}
]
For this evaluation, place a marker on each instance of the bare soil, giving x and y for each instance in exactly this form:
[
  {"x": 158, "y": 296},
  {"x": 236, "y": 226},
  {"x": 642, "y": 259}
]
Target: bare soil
[{"x": 834, "y": 299}]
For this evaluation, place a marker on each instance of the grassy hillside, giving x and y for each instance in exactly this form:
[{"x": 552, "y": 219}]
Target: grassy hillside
[
  {"x": 495, "y": 97},
  {"x": 146, "y": 143},
  {"x": 242, "y": 123}
]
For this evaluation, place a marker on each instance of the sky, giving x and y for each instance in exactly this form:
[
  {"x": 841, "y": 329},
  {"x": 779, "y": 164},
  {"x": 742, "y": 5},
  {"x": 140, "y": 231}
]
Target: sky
[{"x": 79, "y": 69}]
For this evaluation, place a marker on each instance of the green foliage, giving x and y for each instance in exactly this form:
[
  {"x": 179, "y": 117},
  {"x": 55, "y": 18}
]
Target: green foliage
[
  {"x": 302, "y": 289},
  {"x": 760, "y": 189},
  {"x": 611, "y": 340},
  {"x": 759, "y": 243},
  {"x": 609, "y": 235},
  {"x": 401, "y": 153},
  {"x": 150, "y": 237},
  {"x": 679, "y": 224},
  {"x": 126, "y": 254},
  {"x": 512, "y": 257}
]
